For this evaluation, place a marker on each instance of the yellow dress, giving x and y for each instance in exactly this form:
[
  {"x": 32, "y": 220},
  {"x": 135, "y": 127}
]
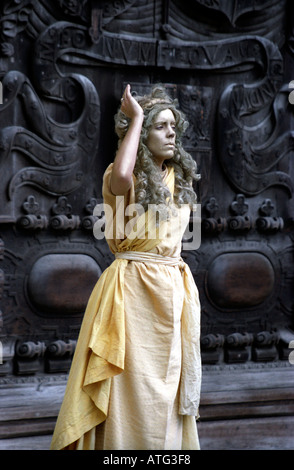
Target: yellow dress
[{"x": 135, "y": 378}]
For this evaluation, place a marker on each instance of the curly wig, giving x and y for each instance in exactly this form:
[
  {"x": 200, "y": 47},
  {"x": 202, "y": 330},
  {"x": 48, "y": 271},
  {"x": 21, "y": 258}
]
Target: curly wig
[{"x": 149, "y": 186}]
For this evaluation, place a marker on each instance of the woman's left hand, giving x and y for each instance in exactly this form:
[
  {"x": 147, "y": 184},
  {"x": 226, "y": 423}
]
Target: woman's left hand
[{"x": 129, "y": 106}]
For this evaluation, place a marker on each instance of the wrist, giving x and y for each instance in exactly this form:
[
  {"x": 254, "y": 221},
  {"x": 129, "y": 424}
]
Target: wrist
[{"x": 138, "y": 117}]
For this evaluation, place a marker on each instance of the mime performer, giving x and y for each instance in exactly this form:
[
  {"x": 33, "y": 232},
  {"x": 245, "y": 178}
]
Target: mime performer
[{"x": 135, "y": 378}]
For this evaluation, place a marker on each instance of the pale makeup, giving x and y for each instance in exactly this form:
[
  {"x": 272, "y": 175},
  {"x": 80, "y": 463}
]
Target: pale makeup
[{"x": 161, "y": 137}]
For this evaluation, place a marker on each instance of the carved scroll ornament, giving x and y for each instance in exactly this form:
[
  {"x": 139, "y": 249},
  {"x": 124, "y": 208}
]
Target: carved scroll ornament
[
  {"x": 58, "y": 154},
  {"x": 252, "y": 149}
]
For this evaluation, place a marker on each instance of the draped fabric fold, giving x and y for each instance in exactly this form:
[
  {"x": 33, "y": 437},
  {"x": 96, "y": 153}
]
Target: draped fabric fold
[
  {"x": 99, "y": 356},
  {"x": 191, "y": 373},
  {"x": 101, "y": 346}
]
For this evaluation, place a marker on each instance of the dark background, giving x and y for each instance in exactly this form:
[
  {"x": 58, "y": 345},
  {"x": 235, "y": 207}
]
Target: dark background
[{"x": 64, "y": 65}]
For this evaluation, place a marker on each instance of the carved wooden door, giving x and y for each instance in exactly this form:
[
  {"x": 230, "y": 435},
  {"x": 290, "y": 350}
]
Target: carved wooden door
[{"x": 64, "y": 65}]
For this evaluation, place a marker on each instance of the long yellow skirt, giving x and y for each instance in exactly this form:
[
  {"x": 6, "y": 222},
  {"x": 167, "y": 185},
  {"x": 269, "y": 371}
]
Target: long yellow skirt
[{"x": 144, "y": 398}]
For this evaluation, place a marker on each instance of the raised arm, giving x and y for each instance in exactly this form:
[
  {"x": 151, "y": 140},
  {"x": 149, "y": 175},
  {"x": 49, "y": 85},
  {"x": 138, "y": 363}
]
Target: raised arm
[{"x": 123, "y": 165}]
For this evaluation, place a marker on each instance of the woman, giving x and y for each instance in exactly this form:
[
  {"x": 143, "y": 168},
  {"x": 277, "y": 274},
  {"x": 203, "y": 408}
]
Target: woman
[{"x": 136, "y": 373}]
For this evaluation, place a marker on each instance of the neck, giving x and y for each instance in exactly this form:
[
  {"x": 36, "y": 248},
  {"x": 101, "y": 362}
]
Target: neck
[{"x": 161, "y": 166}]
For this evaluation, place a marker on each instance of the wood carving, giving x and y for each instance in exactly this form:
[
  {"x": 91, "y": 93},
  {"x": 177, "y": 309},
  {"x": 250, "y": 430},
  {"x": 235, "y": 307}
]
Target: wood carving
[{"x": 61, "y": 92}]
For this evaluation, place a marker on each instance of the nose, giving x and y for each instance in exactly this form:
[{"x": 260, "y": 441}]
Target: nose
[{"x": 171, "y": 131}]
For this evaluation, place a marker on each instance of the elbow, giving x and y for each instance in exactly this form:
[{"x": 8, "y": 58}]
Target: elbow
[{"x": 120, "y": 183}]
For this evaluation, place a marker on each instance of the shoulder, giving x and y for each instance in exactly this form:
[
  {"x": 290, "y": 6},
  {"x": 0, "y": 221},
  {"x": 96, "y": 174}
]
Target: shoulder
[{"x": 107, "y": 172}]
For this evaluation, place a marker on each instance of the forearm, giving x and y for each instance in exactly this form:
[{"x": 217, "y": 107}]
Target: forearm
[
  {"x": 125, "y": 159},
  {"x": 123, "y": 165}
]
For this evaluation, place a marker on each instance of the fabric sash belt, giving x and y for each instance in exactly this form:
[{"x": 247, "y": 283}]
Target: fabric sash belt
[{"x": 149, "y": 257}]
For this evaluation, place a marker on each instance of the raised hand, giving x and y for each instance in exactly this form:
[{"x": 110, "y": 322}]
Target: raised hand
[{"x": 129, "y": 106}]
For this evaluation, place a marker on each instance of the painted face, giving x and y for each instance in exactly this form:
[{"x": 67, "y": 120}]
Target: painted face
[{"x": 161, "y": 137}]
